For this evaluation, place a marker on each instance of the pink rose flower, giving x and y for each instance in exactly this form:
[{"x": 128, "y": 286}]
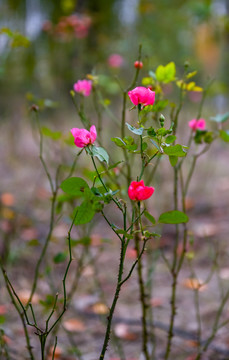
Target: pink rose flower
[
  {"x": 142, "y": 95},
  {"x": 83, "y": 87},
  {"x": 138, "y": 191},
  {"x": 115, "y": 60},
  {"x": 195, "y": 124},
  {"x": 83, "y": 137}
]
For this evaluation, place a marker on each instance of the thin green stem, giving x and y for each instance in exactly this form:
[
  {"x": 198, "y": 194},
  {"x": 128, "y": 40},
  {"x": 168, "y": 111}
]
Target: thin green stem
[
  {"x": 54, "y": 349},
  {"x": 135, "y": 263},
  {"x": 43, "y": 252},
  {"x": 21, "y": 314},
  {"x": 65, "y": 276},
  {"x": 144, "y": 305},
  {"x": 104, "y": 185},
  {"x": 114, "y": 302}
]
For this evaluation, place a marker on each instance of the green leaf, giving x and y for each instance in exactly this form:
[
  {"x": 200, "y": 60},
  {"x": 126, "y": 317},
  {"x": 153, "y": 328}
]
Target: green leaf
[
  {"x": 48, "y": 302},
  {"x": 170, "y": 72},
  {"x": 162, "y": 131},
  {"x": 33, "y": 242},
  {"x": 54, "y": 135},
  {"x": 129, "y": 140},
  {"x": 173, "y": 160},
  {"x": 155, "y": 144},
  {"x": 224, "y": 135},
  {"x": 17, "y": 38},
  {"x": 144, "y": 146},
  {"x": 191, "y": 74},
  {"x": 160, "y": 105},
  {"x": 135, "y": 130},
  {"x": 149, "y": 234},
  {"x": 74, "y": 186},
  {"x": 150, "y": 217},
  {"x": 60, "y": 257},
  {"x": 118, "y": 141},
  {"x": 100, "y": 153},
  {"x": 170, "y": 139},
  {"x": 166, "y": 73},
  {"x": 115, "y": 165},
  {"x": 175, "y": 150},
  {"x": 151, "y": 132},
  {"x": 125, "y": 233},
  {"x": 85, "y": 213},
  {"x": 173, "y": 217},
  {"x": 147, "y": 109},
  {"x": 208, "y": 137},
  {"x": 132, "y": 147},
  {"x": 147, "y": 81},
  {"x": 2, "y": 319},
  {"x": 220, "y": 118},
  {"x": 86, "y": 240}
]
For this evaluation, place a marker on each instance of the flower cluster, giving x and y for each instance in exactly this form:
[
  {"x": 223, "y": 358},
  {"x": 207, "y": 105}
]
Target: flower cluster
[
  {"x": 75, "y": 25},
  {"x": 115, "y": 61}
]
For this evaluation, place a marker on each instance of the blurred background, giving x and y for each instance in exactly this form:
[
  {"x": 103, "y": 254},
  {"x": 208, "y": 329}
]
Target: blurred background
[
  {"x": 45, "y": 47},
  {"x": 70, "y": 38}
]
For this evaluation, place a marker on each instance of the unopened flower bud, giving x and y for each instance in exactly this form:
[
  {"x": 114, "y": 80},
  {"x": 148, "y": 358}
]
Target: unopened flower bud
[
  {"x": 186, "y": 64},
  {"x": 162, "y": 120}
]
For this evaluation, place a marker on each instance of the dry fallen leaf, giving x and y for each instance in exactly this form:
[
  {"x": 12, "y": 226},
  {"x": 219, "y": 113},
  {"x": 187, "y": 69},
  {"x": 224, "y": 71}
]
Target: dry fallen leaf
[
  {"x": 194, "y": 284},
  {"x": 6, "y": 339},
  {"x": 74, "y": 325},
  {"x": 24, "y": 296},
  {"x": 100, "y": 308},
  {"x": 123, "y": 332},
  {"x": 224, "y": 273},
  {"x": 204, "y": 230},
  {"x": 7, "y": 213},
  {"x": 156, "y": 302},
  {"x": 42, "y": 193},
  {"x": 7, "y": 199},
  {"x": 29, "y": 234},
  {"x": 189, "y": 203},
  {"x": 96, "y": 240},
  {"x": 58, "y": 353},
  {"x": 88, "y": 271},
  {"x": 3, "y": 309},
  {"x": 131, "y": 253},
  {"x": 191, "y": 343}
]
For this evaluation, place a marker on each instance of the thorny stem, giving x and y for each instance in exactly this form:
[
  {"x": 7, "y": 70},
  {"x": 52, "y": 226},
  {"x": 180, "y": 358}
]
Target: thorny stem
[
  {"x": 115, "y": 299},
  {"x": 115, "y": 340},
  {"x": 144, "y": 305},
  {"x": 128, "y": 176},
  {"x": 173, "y": 271},
  {"x": 135, "y": 263}
]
